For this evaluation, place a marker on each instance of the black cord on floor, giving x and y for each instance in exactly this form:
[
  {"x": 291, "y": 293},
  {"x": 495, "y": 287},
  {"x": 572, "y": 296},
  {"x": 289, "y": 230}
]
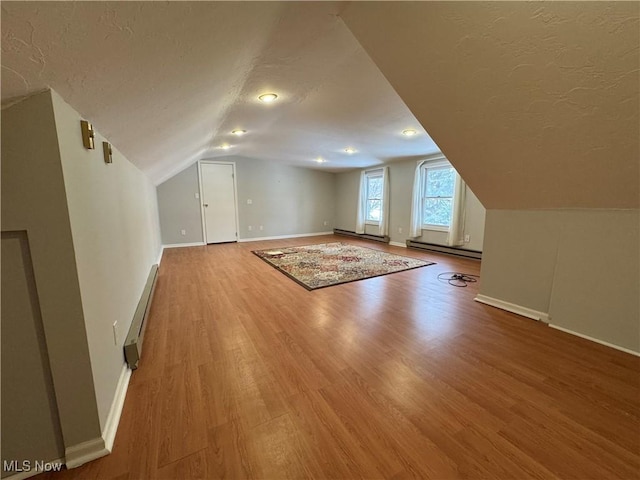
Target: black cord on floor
[{"x": 458, "y": 279}]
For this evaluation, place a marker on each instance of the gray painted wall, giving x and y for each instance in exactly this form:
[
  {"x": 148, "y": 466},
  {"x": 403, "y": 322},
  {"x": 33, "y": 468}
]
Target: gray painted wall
[
  {"x": 116, "y": 238},
  {"x": 179, "y": 208},
  {"x": 285, "y": 200},
  {"x": 34, "y": 200},
  {"x": 93, "y": 235},
  {"x": 347, "y": 200},
  {"x": 579, "y": 266},
  {"x": 30, "y": 423},
  {"x": 401, "y": 176}
]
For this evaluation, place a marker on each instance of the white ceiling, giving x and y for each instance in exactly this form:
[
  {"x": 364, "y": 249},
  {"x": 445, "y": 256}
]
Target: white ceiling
[{"x": 167, "y": 82}]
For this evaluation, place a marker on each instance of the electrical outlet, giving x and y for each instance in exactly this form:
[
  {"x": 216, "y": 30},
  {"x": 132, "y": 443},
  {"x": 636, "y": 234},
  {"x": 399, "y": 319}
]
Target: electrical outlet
[
  {"x": 249, "y": 201},
  {"x": 326, "y": 223},
  {"x": 183, "y": 232},
  {"x": 261, "y": 228},
  {"x": 399, "y": 229},
  {"x": 249, "y": 228},
  {"x": 467, "y": 238},
  {"x": 197, "y": 195},
  {"x": 115, "y": 333}
]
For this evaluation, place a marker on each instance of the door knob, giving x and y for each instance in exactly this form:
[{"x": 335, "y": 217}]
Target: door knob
[{"x": 206, "y": 204}]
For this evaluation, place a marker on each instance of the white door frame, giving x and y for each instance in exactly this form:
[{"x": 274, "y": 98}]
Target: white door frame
[{"x": 235, "y": 196}]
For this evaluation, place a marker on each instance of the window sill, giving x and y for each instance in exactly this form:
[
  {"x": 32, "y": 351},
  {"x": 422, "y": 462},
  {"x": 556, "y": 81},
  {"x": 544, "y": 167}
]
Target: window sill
[
  {"x": 435, "y": 228},
  {"x": 369, "y": 222}
]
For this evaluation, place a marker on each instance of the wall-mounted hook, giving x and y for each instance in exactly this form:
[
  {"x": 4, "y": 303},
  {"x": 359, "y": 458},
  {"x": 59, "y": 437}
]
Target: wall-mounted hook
[
  {"x": 87, "y": 134},
  {"x": 108, "y": 152}
]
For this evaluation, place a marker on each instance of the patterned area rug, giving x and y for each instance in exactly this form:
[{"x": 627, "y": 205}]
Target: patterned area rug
[{"x": 327, "y": 264}]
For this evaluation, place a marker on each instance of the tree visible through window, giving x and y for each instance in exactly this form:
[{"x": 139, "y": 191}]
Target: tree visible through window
[
  {"x": 437, "y": 202},
  {"x": 374, "y": 197}
]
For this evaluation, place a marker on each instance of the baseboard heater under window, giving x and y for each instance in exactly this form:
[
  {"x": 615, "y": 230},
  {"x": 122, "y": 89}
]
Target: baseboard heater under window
[
  {"x": 377, "y": 238},
  {"x": 133, "y": 343},
  {"x": 443, "y": 249}
]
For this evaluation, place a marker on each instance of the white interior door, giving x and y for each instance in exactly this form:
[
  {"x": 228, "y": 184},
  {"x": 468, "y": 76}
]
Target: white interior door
[{"x": 219, "y": 202}]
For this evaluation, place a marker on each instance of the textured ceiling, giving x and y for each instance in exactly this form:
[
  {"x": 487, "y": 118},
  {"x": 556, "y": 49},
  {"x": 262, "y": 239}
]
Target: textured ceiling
[
  {"x": 166, "y": 82},
  {"x": 536, "y": 104}
]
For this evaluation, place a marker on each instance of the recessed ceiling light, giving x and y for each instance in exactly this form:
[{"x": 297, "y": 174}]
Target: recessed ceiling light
[
  {"x": 225, "y": 146},
  {"x": 267, "y": 97},
  {"x": 238, "y": 132},
  {"x": 320, "y": 160},
  {"x": 409, "y": 132},
  {"x": 350, "y": 150}
]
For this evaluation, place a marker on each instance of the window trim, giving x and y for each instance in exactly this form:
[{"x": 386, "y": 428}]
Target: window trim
[
  {"x": 423, "y": 173},
  {"x": 377, "y": 173}
]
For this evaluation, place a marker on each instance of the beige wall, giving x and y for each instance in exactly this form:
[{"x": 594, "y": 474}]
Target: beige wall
[
  {"x": 34, "y": 200},
  {"x": 401, "y": 175},
  {"x": 116, "y": 238},
  {"x": 579, "y": 266}
]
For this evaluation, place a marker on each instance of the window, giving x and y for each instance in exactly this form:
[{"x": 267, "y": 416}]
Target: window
[
  {"x": 373, "y": 201},
  {"x": 437, "y": 200},
  {"x": 374, "y": 197}
]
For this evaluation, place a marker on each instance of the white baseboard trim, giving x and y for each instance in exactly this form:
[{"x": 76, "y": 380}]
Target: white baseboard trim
[
  {"x": 513, "y": 308},
  {"x": 99, "y": 447},
  {"x": 280, "y": 237},
  {"x": 160, "y": 255},
  {"x": 35, "y": 471},
  {"x": 113, "y": 419},
  {"x": 176, "y": 245},
  {"x": 398, "y": 244},
  {"x": 601, "y": 342},
  {"x": 85, "y": 452}
]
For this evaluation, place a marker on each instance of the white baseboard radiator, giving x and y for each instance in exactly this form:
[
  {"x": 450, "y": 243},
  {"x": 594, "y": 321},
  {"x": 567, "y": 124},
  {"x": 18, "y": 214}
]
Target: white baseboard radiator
[
  {"x": 133, "y": 343},
  {"x": 461, "y": 252},
  {"x": 376, "y": 238}
]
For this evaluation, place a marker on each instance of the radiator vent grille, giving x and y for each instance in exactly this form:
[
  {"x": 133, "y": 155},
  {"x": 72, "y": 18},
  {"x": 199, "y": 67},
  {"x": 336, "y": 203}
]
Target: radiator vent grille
[
  {"x": 376, "y": 238},
  {"x": 135, "y": 337},
  {"x": 460, "y": 252}
]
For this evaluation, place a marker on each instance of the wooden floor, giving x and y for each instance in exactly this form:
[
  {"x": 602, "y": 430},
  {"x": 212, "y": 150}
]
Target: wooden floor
[{"x": 245, "y": 374}]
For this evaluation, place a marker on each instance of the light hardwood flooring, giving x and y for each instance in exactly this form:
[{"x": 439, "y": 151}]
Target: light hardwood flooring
[{"x": 245, "y": 374}]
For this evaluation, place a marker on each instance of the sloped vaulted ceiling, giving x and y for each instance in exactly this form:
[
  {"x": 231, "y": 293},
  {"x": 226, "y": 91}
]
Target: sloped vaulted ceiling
[
  {"x": 536, "y": 104},
  {"x": 129, "y": 67},
  {"x": 167, "y": 82}
]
